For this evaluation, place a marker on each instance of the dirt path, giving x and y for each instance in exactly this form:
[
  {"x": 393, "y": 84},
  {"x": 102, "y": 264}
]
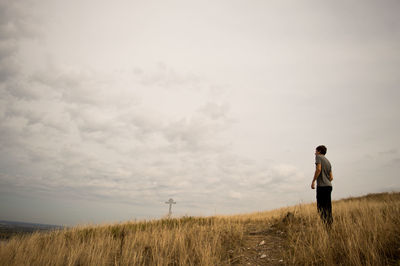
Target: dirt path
[{"x": 262, "y": 246}]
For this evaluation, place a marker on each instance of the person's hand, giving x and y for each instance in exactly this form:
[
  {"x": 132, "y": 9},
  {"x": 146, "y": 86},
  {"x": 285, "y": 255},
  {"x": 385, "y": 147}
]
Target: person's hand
[{"x": 313, "y": 184}]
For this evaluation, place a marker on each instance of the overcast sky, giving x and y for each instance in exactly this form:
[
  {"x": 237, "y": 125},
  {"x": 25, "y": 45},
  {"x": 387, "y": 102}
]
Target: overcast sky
[{"x": 110, "y": 108}]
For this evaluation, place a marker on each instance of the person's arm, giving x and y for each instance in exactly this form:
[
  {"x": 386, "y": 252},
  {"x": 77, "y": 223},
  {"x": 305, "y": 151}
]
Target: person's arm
[
  {"x": 330, "y": 176},
  {"x": 316, "y": 174}
]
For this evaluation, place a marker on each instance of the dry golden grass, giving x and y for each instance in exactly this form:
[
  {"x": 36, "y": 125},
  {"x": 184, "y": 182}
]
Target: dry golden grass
[
  {"x": 366, "y": 231},
  {"x": 184, "y": 241}
]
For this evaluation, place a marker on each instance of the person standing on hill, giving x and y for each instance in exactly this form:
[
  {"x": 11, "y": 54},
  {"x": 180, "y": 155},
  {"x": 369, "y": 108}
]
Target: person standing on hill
[{"x": 323, "y": 176}]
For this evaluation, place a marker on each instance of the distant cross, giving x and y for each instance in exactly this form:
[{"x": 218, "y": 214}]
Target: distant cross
[{"x": 170, "y": 202}]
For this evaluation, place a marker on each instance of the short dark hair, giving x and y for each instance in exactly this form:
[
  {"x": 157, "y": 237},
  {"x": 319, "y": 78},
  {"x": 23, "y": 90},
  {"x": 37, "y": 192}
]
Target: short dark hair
[{"x": 322, "y": 149}]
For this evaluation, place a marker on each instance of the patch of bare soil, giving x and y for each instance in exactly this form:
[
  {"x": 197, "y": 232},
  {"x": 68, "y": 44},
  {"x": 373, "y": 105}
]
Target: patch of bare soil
[{"x": 262, "y": 246}]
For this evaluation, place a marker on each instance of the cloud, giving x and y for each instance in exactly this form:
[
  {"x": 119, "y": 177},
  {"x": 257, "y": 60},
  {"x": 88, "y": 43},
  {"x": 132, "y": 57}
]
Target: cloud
[
  {"x": 16, "y": 23},
  {"x": 389, "y": 152},
  {"x": 235, "y": 194},
  {"x": 75, "y": 133},
  {"x": 166, "y": 77},
  {"x": 82, "y": 134},
  {"x": 16, "y": 20}
]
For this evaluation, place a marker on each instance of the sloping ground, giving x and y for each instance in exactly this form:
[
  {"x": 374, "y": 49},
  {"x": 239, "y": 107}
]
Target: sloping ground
[{"x": 366, "y": 231}]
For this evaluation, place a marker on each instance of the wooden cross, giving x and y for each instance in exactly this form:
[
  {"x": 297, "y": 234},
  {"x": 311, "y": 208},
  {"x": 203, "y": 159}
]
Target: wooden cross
[{"x": 170, "y": 202}]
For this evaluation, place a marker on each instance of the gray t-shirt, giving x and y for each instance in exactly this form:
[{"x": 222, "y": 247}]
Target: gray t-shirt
[{"x": 323, "y": 178}]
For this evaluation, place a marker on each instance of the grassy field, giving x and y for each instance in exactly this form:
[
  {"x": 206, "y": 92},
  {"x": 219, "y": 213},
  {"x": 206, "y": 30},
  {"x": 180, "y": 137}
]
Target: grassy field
[{"x": 366, "y": 231}]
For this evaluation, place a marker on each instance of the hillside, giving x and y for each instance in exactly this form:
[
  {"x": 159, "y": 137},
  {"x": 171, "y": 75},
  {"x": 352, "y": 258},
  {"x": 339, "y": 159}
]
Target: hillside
[{"x": 366, "y": 231}]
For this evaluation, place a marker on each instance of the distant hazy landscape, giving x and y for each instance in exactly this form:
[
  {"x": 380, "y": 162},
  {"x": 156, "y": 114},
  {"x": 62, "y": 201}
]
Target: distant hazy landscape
[
  {"x": 12, "y": 228},
  {"x": 366, "y": 231}
]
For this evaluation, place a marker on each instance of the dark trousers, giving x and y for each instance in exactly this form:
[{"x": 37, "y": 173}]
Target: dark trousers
[{"x": 324, "y": 204}]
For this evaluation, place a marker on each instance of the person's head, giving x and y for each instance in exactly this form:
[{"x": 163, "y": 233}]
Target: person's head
[{"x": 321, "y": 149}]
